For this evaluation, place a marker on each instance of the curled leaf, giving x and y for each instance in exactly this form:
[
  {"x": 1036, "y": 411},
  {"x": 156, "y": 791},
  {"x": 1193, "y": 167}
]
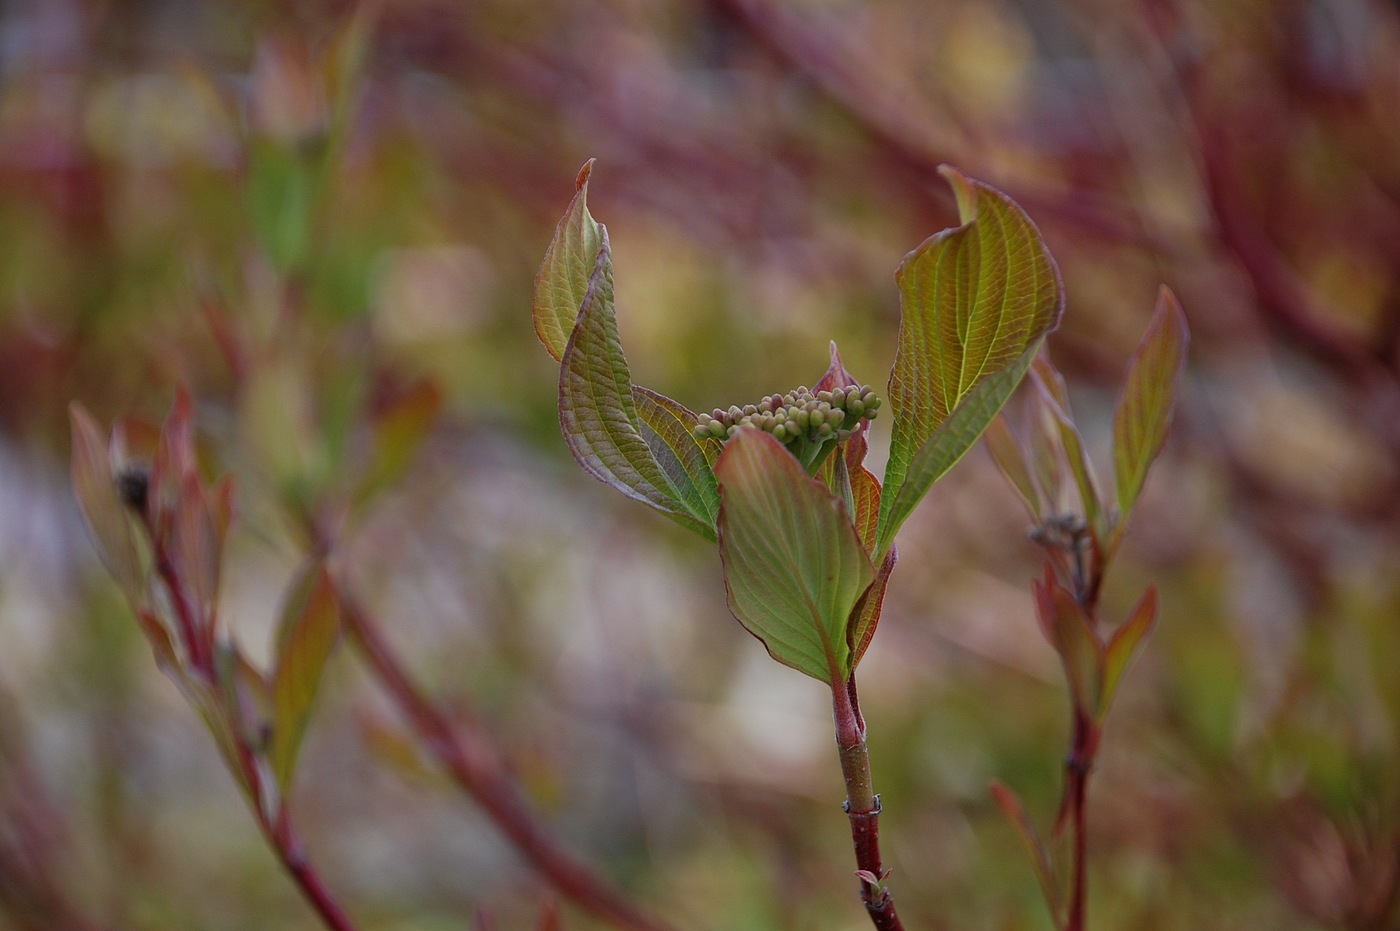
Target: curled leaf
[{"x": 563, "y": 276}]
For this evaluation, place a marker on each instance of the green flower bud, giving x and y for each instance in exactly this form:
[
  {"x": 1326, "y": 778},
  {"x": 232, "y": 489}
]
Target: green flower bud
[{"x": 780, "y": 433}]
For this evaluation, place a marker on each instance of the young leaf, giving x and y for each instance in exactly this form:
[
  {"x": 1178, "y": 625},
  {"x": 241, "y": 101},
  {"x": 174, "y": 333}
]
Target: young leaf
[
  {"x": 400, "y": 427},
  {"x": 95, "y": 487},
  {"x": 1010, "y": 805},
  {"x": 310, "y": 627},
  {"x": 564, "y": 274},
  {"x": 866, "y": 615},
  {"x": 974, "y": 301},
  {"x": 954, "y": 436},
  {"x": 793, "y": 564},
  {"x": 598, "y": 409},
  {"x": 1122, "y": 647},
  {"x": 1050, "y": 387},
  {"x": 1145, "y": 405},
  {"x": 1008, "y": 451},
  {"x": 688, "y": 463},
  {"x": 1069, "y": 631}
]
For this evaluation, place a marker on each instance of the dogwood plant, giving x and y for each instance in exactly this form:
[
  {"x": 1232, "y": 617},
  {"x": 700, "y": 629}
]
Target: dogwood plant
[{"x": 805, "y": 532}]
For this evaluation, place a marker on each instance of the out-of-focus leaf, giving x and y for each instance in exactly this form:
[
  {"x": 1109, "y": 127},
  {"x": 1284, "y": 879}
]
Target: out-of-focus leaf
[
  {"x": 598, "y": 410},
  {"x": 955, "y": 435},
  {"x": 400, "y": 427},
  {"x": 194, "y": 546},
  {"x": 549, "y": 918},
  {"x": 95, "y": 488},
  {"x": 793, "y": 564},
  {"x": 1145, "y": 404},
  {"x": 161, "y": 643},
  {"x": 1071, "y": 633},
  {"x": 688, "y": 463},
  {"x": 174, "y": 458},
  {"x": 564, "y": 274},
  {"x": 1010, "y": 805},
  {"x": 975, "y": 301},
  {"x": 866, "y": 616},
  {"x": 207, "y": 699},
  {"x": 1050, "y": 387},
  {"x": 280, "y": 194},
  {"x": 247, "y": 694},
  {"x": 310, "y": 628},
  {"x": 1123, "y": 645},
  {"x": 1009, "y": 453},
  {"x": 343, "y": 64}
]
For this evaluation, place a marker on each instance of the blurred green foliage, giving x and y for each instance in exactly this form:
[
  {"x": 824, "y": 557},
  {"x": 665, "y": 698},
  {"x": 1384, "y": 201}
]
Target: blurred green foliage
[{"x": 302, "y": 210}]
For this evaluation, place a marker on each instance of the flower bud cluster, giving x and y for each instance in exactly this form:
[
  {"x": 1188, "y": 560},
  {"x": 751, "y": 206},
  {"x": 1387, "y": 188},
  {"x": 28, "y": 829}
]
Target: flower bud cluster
[{"x": 795, "y": 416}]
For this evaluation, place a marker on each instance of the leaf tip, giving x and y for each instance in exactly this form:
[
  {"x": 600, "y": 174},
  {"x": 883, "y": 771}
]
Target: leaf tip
[
  {"x": 964, "y": 190},
  {"x": 581, "y": 183}
]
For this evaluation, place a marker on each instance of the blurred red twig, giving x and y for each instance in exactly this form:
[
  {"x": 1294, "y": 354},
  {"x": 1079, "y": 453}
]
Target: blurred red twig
[{"x": 472, "y": 760}]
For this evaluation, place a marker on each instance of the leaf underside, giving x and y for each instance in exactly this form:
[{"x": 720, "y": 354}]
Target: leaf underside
[
  {"x": 793, "y": 563},
  {"x": 975, "y": 301},
  {"x": 633, "y": 439}
]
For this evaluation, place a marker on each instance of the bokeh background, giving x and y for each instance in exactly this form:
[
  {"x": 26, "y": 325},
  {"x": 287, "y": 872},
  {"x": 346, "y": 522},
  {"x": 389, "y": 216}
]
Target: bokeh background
[{"x": 293, "y": 208}]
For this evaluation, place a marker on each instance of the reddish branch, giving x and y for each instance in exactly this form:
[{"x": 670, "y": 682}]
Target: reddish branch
[
  {"x": 279, "y": 832},
  {"x": 862, "y": 807},
  {"x": 471, "y": 759}
]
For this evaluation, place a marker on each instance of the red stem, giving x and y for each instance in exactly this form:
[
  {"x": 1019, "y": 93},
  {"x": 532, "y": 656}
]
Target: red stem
[
  {"x": 472, "y": 764},
  {"x": 280, "y": 835},
  {"x": 862, "y": 805}
]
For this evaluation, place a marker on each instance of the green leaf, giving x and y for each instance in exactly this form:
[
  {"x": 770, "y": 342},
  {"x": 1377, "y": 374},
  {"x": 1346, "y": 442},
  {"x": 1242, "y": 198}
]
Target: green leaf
[
  {"x": 1122, "y": 647},
  {"x": 107, "y": 518},
  {"x": 280, "y": 195},
  {"x": 1050, "y": 388},
  {"x": 567, "y": 268},
  {"x": 974, "y": 300},
  {"x": 793, "y": 564},
  {"x": 400, "y": 427},
  {"x": 866, "y": 615},
  {"x": 1010, "y": 805},
  {"x": 1071, "y": 633},
  {"x": 1011, "y": 456},
  {"x": 955, "y": 435},
  {"x": 311, "y": 624},
  {"x": 598, "y": 409},
  {"x": 688, "y": 463},
  {"x": 1145, "y": 404}
]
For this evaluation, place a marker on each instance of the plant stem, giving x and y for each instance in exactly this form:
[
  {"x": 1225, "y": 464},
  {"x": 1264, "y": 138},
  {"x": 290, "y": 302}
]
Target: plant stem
[
  {"x": 1078, "y": 766},
  {"x": 280, "y": 834},
  {"x": 294, "y": 859},
  {"x": 862, "y": 805},
  {"x": 472, "y": 762}
]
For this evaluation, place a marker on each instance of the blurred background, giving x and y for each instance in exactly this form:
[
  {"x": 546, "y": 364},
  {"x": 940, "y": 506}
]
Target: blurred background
[{"x": 298, "y": 209}]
